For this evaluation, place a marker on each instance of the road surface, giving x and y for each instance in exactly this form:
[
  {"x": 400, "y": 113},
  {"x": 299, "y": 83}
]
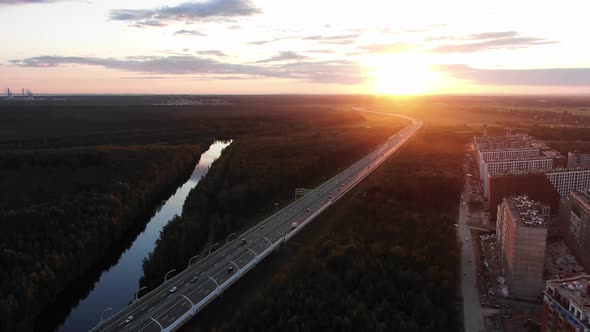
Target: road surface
[{"x": 472, "y": 311}]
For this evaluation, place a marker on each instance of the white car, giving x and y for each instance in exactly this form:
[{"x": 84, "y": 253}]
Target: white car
[
  {"x": 173, "y": 289},
  {"x": 129, "y": 320}
]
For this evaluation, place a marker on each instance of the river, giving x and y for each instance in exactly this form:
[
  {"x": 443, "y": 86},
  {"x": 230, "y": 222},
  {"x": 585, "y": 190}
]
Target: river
[{"x": 117, "y": 285}]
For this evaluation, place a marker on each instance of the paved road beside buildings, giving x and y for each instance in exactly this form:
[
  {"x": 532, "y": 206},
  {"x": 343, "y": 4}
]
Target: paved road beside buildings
[{"x": 472, "y": 310}]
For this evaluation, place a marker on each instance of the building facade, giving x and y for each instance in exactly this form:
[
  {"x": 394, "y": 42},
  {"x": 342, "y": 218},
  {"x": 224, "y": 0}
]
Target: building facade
[
  {"x": 568, "y": 180},
  {"x": 521, "y": 231},
  {"x": 510, "y": 153},
  {"x": 500, "y": 142},
  {"x": 576, "y": 225},
  {"x": 559, "y": 161},
  {"x": 511, "y": 165},
  {"x": 566, "y": 305},
  {"x": 575, "y": 160}
]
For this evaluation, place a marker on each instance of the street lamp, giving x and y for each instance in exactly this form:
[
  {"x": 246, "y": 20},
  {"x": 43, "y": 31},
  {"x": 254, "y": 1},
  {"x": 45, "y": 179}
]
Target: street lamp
[
  {"x": 102, "y": 314},
  {"x": 216, "y": 244},
  {"x": 166, "y": 276},
  {"x": 227, "y": 240},
  {"x": 190, "y": 260},
  {"x": 137, "y": 293}
]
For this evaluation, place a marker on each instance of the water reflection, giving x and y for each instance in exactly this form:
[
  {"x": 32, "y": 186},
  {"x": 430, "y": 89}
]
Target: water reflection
[{"x": 118, "y": 284}]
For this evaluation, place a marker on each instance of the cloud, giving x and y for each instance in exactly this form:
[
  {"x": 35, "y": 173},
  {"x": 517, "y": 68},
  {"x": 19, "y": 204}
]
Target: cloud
[
  {"x": 416, "y": 30},
  {"x": 25, "y": 2},
  {"x": 337, "y": 71},
  {"x": 272, "y": 40},
  {"x": 178, "y": 64},
  {"x": 188, "y": 12},
  {"x": 324, "y": 51},
  {"x": 388, "y": 47},
  {"x": 184, "y": 32},
  {"x": 283, "y": 56},
  {"x": 338, "y": 39},
  {"x": 530, "y": 77},
  {"x": 200, "y": 78},
  {"x": 290, "y": 34},
  {"x": 493, "y": 35},
  {"x": 213, "y": 53},
  {"x": 502, "y": 40}
]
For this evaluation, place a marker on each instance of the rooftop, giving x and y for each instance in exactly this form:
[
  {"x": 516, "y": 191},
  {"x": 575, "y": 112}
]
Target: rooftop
[
  {"x": 575, "y": 288},
  {"x": 583, "y": 197},
  {"x": 539, "y": 145},
  {"x": 566, "y": 170},
  {"x": 501, "y": 145},
  {"x": 536, "y": 171},
  {"x": 504, "y": 138},
  {"x": 518, "y": 172},
  {"x": 509, "y": 159},
  {"x": 553, "y": 154},
  {"x": 529, "y": 212},
  {"x": 525, "y": 148},
  {"x": 578, "y": 154}
]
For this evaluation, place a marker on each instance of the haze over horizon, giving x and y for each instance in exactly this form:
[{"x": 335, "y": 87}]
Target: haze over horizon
[{"x": 272, "y": 47}]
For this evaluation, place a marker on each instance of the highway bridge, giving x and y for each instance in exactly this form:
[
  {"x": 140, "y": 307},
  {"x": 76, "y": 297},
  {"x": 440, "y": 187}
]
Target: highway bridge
[{"x": 178, "y": 299}]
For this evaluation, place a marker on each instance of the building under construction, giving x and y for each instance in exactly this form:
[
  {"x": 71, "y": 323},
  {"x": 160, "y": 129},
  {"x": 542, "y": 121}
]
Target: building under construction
[{"x": 521, "y": 232}]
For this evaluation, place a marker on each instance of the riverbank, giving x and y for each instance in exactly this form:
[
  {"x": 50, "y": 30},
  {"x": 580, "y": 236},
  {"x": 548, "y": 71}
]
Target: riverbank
[{"x": 117, "y": 284}]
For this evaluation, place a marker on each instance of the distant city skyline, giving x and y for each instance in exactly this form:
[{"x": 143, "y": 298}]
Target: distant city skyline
[{"x": 272, "y": 47}]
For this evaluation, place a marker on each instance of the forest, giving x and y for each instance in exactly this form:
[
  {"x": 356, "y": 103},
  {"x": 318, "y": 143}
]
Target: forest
[
  {"x": 384, "y": 258},
  {"x": 79, "y": 177},
  {"x": 67, "y": 207},
  {"x": 258, "y": 171}
]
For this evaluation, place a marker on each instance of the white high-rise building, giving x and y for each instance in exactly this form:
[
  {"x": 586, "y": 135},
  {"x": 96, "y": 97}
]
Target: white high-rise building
[
  {"x": 505, "y": 153},
  {"x": 568, "y": 180}
]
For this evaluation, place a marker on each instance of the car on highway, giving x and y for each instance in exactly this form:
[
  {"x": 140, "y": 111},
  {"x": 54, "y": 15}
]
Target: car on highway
[
  {"x": 243, "y": 241},
  {"x": 230, "y": 269},
  {"x": 194, "y": 279},
  {"x": 294, "y": 225},
  {"x": 307, "y": 210},
  {"x": 129, "y": 320},
  {"x": 173, "y": 289}
]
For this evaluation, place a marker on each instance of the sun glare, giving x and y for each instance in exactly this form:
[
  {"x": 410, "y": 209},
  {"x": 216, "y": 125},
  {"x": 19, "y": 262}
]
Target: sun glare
[{"x": 401, "y": 76}]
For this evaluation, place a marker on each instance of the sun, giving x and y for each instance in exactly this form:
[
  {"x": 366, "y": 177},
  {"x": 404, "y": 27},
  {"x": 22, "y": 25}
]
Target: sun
[{"x": 397, "y": 75}]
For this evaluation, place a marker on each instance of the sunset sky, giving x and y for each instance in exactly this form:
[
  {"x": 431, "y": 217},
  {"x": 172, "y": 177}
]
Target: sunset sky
[{"x": 304, "y": 46}]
